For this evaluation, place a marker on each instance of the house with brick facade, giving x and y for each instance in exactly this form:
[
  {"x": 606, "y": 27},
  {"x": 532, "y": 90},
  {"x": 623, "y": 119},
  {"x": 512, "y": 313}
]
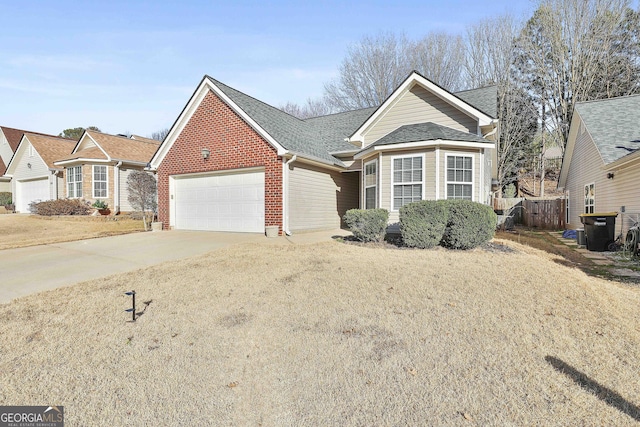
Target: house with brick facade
[
  {"x": 98, "y": 166},
  {"x": 32, "y": 172},
  {"x": 233, "y": 163}
]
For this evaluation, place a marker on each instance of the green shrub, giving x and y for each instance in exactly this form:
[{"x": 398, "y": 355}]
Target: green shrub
[
  {"x": 470, "y": 224},
  {"x": 422, "y": 224},
  {"x": 60, "y": 207},
  {"x": 100, "y": 204},
  {"x": 5, "y": 198},
  {"x": 367, "y": 225}
]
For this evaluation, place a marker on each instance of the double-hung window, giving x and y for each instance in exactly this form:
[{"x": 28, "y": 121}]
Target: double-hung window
[
  {"x": 459, "y": 177},
  {"x": 589, "y": 198},
  {"x": 74, "y": 182},
  {"x": 371, "y": 185},
  {"x": 407, "y": 180},
  {"x": 99, "y": 181}
]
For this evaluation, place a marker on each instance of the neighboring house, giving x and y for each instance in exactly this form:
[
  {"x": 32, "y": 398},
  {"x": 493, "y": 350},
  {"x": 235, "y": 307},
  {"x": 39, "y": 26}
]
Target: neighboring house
[
  {"x": 9, "y": 140},
  {"x": 233, "y": 163},
  {"x": 33, "y": 175},
  {"x": 99, "y": 165},
  {"x": 601, "y": 167}
]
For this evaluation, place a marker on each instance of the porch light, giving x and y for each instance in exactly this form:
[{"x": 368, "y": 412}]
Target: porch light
[
  {"x": 205, "y": 153},
  {"x": 610, "y": 175}
]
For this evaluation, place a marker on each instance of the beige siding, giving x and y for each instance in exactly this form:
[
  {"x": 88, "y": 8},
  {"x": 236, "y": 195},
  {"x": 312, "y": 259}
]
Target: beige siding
[
  {"x": 610, "y": 194},
  {"x": 319, "y": 198},
  {"x": 418, "y": 106},
  {"x": 5, "y": 149},
  {"x": 585, "y": 168},
  {"x": 125, "y": 206}
]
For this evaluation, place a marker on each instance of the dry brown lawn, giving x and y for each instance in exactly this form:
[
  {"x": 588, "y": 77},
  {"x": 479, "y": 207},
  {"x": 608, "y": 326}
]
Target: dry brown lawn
[
  {"x": 17, "y": 231},
  {"x": 332, "y": 334}
]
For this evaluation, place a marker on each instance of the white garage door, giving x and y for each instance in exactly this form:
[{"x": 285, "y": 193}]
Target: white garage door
[
  {"x": 30, "y": 191},
  {"x": 224, "y": 202}
]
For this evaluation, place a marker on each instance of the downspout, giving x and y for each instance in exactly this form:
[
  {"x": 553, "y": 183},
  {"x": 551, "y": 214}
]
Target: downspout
[
  {"x": 285, "y": 196},
  {"x": 116, "y": 187}
]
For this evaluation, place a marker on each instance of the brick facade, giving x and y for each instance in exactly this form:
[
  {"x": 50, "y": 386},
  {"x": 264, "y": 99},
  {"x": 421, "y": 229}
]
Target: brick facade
[{"x": 233, "y": 145}]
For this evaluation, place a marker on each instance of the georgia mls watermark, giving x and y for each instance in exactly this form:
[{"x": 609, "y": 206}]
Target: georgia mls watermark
[{"x": 31, "y": 416}]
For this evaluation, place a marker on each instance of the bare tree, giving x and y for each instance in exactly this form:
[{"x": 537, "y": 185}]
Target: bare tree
[
  {"x": 312, "y": 108},
  {"x": 371, "y": 71},
  {"x": 143, "y": 194},
  {"x": 160, "y": 135},
  {"x": 440, "y": 58}
]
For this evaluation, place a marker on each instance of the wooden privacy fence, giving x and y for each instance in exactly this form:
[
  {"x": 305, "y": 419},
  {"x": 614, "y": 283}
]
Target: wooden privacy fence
[
  {"x": 547, "y": 214},
  {"x": 544, "y": 214}
]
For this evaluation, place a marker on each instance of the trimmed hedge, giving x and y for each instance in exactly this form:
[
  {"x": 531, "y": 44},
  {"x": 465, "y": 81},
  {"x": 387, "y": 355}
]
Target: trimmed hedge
[
  {"x": 367, "y": 225},
  {"x": 470, "y": 224},
  {"x": 422, "y": 224},
  {"x": 60, "y": 207},
  {"x": 5, "y": 198}
]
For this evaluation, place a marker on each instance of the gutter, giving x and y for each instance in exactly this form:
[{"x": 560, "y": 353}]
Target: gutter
[
  {"x": 285, "y": 195},
  {"x": 116, "y": 187}
]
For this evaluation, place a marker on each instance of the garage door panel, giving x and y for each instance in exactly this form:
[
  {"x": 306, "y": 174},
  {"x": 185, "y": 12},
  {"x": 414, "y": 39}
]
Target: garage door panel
[
  {"x": 30, "y": 191},
  {"x": 233, "y": 202}
]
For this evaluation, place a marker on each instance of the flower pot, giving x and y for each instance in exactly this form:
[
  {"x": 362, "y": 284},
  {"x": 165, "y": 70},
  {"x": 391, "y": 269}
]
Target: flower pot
[{"x": 104, "y": 211}]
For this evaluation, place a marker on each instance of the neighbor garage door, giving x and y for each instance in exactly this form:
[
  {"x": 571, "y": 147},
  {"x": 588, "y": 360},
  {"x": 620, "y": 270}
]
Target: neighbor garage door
[
  {"x": 221, "y": 202},
  {"x": 30, "y": 191}
]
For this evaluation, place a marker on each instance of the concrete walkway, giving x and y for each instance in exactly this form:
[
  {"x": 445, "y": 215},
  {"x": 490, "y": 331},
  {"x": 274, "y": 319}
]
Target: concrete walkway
[{"x": 38, "y": 268}]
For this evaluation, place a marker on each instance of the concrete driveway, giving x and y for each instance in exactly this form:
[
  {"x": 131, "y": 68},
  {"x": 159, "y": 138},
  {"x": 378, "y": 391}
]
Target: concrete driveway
[{"x": 38, "y": 268}]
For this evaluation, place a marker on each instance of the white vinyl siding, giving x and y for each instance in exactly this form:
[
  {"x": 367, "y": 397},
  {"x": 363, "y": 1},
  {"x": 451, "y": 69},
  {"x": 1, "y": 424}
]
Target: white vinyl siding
[
  {"x": 459, "y": 176},
  {"x": 100, "y": 182},
  {"x": 74, "y": 182},
  {"x": 408, "y": 180},
  {"x": 319, "y": 198},
  {"x": 371, "y": 184},
  {"x": 418, "y": 105},
  {"x": 589, "y": 198}
]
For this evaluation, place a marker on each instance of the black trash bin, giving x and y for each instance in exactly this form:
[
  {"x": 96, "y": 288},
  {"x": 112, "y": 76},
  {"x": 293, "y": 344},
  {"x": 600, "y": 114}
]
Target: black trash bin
[{"x": 599, "y": 229}]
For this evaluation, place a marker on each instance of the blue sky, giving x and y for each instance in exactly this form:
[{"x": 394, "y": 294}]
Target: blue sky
[{"x": 131, "y": 66}]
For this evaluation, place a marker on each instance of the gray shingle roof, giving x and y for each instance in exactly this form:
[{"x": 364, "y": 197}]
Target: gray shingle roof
[
  {"x": 484, "y": 99},
  {"x": 318, "y": 137},
  {"x": 332, "y": 130},
  {"x": 292, "y": 133},
  {"x": 614, "y": 125},
  {"x": 426, "y": 132}
]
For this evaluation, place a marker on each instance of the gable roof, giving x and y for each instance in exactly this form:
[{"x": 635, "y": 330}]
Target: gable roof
[
  {"x": 317, "y": 138},
  {"x": 614, "y": 125},
  {"x": 416, "y": 78},
  {"x": 149, "y": 140},
  {"x": 14, "y": 136},
  {"x": 113, "y": 148},
  {"x": 49, "y": 148}
]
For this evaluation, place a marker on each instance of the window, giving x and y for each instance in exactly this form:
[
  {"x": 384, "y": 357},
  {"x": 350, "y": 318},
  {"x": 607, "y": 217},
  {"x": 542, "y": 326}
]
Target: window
[
  {"x": 74, "y": 182},
  {"x": 371, "y": 185},
  {"x": 99, "y": 181},
  {"x": 407, "y": 180},
  {"x": 460, "y": 177},
  {"x": 589, "y": 198}
]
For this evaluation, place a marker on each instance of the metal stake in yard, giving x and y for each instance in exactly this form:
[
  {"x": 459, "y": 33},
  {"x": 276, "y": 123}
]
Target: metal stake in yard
[{"x": 133, "y": 308}]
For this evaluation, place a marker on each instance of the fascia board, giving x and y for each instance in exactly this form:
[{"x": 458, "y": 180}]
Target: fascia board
[{"x": 423, "y": 144}]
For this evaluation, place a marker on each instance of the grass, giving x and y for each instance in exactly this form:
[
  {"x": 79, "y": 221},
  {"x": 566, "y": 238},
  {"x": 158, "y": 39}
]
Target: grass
[
  {"x": 332, "y": 334},
  {"x": 18, "y": 231}
]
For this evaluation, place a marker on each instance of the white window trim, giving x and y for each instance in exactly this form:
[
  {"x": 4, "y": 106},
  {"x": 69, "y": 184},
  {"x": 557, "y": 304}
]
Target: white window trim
[
  {"x": 584, "y": 201},
  {"x": 405, "y": 156},
  {"x": 74, "y": 182},
  {"x": 365, "y": 186},
  {"x": 93, "y": 181},
  {"x": 31, "y": 150},
  {"x": 473, "y": 174}
]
